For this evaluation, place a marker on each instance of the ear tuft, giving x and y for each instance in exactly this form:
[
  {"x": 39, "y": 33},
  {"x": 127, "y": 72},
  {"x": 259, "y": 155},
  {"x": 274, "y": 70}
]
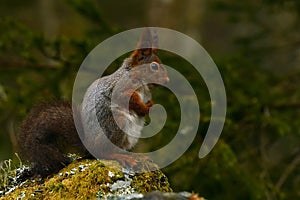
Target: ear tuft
[{"x": 146, "y": 46}]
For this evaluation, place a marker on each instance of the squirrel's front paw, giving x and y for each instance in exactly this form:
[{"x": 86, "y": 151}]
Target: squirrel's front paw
[
  {"x": 138, "y": 106},
  {"x": 149, "y": 103},
  {"x": 142, "y": 111}
]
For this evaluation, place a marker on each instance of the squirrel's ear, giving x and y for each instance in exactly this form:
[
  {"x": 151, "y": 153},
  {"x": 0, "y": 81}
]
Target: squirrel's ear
[{"x": 146, "y": 46}]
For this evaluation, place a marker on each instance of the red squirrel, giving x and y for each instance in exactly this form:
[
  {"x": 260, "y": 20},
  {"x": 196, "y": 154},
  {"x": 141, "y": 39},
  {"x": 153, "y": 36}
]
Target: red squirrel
[{"x": 48, "y": 133}]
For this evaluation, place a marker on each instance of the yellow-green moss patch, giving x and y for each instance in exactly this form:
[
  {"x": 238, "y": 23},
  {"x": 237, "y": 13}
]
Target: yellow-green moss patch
[{"x": 90, "y": 179}]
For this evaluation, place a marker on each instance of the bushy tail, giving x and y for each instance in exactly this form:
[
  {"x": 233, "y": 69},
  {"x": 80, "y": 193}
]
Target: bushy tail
[{"x": 46, "y": 135}]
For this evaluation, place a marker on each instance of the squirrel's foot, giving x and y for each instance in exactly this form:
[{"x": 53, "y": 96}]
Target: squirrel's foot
[
  {"x": 124, "y": 159},
  {"x": 135, "y": 161}
]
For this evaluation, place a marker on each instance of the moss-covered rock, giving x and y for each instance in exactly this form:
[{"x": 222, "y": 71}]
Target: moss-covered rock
[{"x": 91, "y": 179}]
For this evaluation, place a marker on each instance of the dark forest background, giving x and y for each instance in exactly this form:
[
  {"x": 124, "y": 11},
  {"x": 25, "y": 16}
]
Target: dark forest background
[{"x": 255, "y": 44}]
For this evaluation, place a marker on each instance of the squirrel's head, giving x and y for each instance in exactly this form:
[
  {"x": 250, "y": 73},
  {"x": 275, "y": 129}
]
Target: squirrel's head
[
  {"x": 153, "y": 73},
  {"x": 145, "y": 64},
  {"x": 146, "y": 49}
]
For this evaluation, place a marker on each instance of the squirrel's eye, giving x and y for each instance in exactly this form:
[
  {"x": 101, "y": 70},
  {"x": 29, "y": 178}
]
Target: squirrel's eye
[{"x": 154, "y": 65}]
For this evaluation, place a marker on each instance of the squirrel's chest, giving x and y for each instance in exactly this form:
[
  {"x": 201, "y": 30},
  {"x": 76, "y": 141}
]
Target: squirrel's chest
[
  {"x": 144, "y": 93},
  {"x": 133, "y": 124}
]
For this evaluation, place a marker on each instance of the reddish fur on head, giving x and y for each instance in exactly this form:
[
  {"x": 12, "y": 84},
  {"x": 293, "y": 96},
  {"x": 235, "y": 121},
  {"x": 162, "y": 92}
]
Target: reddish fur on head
[{"x": 146, "y": 50}]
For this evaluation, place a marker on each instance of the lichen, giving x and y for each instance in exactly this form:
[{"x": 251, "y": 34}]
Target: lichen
[
  {"x": 92, "y": 179},
  {"x": 10, "y": 176}
]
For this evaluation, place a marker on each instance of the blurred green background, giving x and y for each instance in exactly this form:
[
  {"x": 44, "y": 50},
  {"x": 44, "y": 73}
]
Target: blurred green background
[{"x": 255, "y": 44}]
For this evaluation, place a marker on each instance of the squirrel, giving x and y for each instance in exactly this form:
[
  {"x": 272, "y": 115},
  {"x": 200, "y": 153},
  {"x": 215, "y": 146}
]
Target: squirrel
[{"x": 49, "y": 131}]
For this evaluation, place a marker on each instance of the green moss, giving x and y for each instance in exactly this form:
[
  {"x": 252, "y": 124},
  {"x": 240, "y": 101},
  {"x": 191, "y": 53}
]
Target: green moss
[
  {"x": 151, "y": 181},
  {"x": 90, "y": 179}
]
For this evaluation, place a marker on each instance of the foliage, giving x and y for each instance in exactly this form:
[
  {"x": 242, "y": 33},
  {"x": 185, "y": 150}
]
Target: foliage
[{"x": 257, "y": 156}]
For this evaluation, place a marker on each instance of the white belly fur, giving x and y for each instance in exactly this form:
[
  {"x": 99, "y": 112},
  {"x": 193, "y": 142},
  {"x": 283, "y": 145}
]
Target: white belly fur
[{"x": 133, "y": 123}]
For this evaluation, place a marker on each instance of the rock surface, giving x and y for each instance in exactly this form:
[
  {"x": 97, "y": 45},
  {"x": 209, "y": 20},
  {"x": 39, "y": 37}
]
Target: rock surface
[{"x": 92, "y": 179}]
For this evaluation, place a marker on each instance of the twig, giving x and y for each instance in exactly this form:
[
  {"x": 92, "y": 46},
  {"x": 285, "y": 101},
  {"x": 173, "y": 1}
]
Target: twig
[
  {"x": 289, "y": 169},
  {"x": 23, "y": 64},
  {"x": 12, "y": 134},
  {"x": 286, "y": 105}
]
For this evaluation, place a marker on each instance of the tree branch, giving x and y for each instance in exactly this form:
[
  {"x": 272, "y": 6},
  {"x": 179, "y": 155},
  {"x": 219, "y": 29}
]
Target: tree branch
[
  {"x": 17, "y": 64},
  {"x": 290, "y": 168}
]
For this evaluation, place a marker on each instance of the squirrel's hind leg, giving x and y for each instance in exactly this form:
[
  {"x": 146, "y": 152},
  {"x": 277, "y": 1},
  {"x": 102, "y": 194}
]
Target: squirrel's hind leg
[{"x": 48, "y": 161}]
